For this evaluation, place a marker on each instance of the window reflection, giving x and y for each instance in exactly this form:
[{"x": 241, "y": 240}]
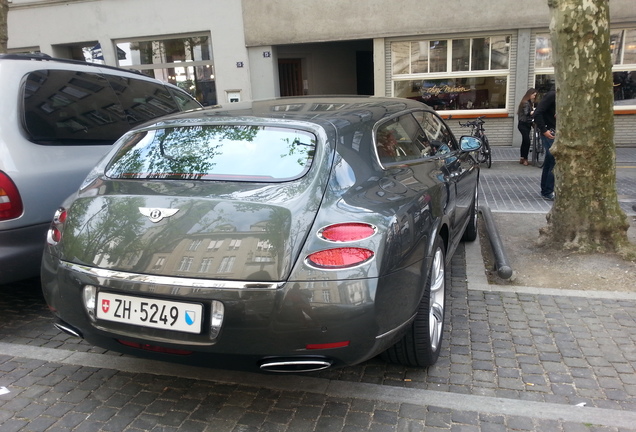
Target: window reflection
[
  {"x": 226, "y": 152},
  {"x": 461, "y": 55},
  {"x": 185, "y": 62},
  {"x": 438, "y": 55}
]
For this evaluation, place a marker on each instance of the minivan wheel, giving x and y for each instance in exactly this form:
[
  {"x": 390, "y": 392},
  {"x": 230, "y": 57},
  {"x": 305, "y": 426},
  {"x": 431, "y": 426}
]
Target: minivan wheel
[{"x": 421, "y": 344}]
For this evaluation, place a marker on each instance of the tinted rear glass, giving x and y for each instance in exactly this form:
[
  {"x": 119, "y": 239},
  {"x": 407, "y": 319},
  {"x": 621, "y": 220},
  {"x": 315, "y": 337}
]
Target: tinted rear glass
[
  {"x": 142, "y": 100},
  {"x": 215, "y": 152},
  {"x": 72, "y": 107}
]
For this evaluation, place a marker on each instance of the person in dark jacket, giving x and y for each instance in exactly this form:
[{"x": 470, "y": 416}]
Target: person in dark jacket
[
  {"x": 525, "y": 113},
  {"x": 545, "y": 118}
]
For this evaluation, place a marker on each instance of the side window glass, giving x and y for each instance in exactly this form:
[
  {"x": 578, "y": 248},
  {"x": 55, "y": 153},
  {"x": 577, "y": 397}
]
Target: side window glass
[
  {"x": 183, "y": 100},
  {"x": 441, "y": 138},
  {"x": 73, "y": 108},
  {"x": 401, "y": 139},
  {"x": 142, "y": 100}
]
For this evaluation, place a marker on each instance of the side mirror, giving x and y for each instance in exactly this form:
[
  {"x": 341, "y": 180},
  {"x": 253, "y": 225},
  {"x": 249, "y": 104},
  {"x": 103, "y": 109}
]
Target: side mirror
[{"x": 469, "y": 143}]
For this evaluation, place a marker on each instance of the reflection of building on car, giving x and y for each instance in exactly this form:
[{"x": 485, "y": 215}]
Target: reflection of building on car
[{"x": 274, "y": 235}]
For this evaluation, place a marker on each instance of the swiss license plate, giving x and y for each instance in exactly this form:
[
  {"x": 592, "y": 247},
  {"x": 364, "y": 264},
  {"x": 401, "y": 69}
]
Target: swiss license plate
[{"x": 147, "y": 312}]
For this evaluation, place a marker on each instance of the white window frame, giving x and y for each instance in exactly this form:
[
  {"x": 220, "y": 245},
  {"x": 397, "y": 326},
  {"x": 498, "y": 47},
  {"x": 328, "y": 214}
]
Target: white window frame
[{"x": 449, "y": 74}]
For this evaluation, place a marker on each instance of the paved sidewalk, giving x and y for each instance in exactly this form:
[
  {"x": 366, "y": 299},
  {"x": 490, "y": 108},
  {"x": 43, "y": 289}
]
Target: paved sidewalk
[{"x": 511, "y": 187}]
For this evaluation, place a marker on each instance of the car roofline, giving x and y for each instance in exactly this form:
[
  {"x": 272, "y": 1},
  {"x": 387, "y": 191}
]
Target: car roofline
[{"x": 46, "y": 57}]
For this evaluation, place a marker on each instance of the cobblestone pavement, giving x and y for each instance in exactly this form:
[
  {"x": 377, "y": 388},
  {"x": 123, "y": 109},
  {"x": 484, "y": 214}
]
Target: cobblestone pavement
[
  {"x": 512, "y": 360},
  {"x": 510, "y": 187}
]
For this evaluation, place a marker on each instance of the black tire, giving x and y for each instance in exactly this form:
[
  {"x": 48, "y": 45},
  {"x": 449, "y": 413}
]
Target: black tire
[
  {"x": 420, "y": 346},
  {"x": 484, "y": 157},
  {"x": 471, "y": 231},
  {"x": 487, "y": 152},
  {"x": 538, "y": 152}
]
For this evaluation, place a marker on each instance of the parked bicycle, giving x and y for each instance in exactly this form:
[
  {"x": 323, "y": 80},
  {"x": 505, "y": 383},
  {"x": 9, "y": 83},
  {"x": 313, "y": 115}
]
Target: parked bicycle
[
  {"x": 537, "y": 150},
  {"x": 477, "y": 130}
]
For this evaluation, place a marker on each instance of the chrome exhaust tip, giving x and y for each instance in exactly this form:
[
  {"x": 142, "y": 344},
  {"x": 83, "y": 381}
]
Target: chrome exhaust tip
[
  {"x": 299, "y": 364},
  {"x": 68, "y": 329}
]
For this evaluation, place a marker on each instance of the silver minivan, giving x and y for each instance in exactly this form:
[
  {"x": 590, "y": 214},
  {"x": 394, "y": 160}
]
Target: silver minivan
[{"x": 57, "y": 119}]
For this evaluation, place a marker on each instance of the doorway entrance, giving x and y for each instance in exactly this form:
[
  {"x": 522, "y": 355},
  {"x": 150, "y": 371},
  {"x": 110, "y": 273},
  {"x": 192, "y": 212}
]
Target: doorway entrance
[
  {"x": 290, "y": 75},
  {"x": 326, "y": 68}
]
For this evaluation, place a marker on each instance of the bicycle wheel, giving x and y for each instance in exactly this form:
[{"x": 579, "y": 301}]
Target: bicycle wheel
[
  {"x": 485, "y": 155},
  {"x": 538, "y": 152}
]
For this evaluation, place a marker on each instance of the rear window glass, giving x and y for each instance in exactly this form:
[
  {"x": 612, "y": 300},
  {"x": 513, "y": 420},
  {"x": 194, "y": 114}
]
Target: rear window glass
[
  {"x": 72, "y": 107},
  {"x": 75, "y": 108},
  {"x": 142, "y": 100},
  {"x": 215, "y": 152}
]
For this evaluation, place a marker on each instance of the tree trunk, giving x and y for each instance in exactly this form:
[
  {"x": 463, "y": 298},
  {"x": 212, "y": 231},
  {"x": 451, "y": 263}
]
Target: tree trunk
[{"x": 586, "y": 215}]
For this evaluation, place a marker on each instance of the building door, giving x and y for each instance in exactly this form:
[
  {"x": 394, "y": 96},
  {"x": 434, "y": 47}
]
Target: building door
[
  {"x": 364, "y": 72},
  {"x": 290, "y": 76}
]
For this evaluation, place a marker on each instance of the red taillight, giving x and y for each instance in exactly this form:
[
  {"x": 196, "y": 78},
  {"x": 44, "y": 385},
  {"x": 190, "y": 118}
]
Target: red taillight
[
  {"x": 327, "y": 345},
  {"x": 346, "y": 232},
  {"x": 10, "y": 201},
  {"x": 60, "y": 216},
  {"x": 340, "y": 257},
  {"x": 54, "y": 234}
]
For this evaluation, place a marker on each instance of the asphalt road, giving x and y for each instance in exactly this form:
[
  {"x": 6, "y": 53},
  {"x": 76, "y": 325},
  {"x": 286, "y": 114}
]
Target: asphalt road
[{"x": 513, "y": 359}]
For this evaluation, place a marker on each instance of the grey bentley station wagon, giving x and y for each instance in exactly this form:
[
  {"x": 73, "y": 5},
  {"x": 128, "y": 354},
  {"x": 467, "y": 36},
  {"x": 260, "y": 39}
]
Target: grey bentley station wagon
[{"x": 287, "y": 235}]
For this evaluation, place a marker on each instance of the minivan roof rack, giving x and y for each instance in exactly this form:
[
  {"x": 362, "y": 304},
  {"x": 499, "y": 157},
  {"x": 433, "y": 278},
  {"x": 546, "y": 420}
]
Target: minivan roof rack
[{"x": 46, "y": 57}]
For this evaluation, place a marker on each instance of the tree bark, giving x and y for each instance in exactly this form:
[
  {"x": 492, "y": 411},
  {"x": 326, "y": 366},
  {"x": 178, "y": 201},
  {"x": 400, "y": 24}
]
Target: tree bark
[{"x": 586, "y": 215}]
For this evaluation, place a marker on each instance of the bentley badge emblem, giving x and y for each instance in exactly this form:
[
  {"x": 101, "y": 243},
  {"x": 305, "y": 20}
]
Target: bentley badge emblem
[{"x": 157, "y": 214}]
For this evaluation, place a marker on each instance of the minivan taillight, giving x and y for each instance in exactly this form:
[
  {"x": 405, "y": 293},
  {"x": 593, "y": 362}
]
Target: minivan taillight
[
  {"x": 54, "y": 235},
  {"x": 10, "y": 201}
]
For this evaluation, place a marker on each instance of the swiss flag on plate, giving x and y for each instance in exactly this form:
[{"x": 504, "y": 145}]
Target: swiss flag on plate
[{"x": 105, "y": 305}]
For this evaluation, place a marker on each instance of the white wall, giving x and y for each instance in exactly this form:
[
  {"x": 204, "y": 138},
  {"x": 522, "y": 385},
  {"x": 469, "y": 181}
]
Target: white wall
[
  {"x": 274, "y": 22},
  {"x": 45, "y": 24}
]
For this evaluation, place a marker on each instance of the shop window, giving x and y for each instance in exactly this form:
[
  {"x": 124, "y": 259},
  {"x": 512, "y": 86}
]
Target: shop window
[
  {"x": 185, "y": 62},
  {"x": 455, "y": 74},
  {"x": 623, "y": 54}
]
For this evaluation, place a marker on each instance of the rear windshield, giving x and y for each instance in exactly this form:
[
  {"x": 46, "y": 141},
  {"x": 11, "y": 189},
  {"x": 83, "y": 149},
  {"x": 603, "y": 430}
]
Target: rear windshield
[
  {"x": 215, "y": 152},
  {"x": 63, "y": 107}
]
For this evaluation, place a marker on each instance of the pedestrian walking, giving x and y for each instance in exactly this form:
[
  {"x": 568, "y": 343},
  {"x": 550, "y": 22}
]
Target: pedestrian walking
[{"x": 525, "y": 113}]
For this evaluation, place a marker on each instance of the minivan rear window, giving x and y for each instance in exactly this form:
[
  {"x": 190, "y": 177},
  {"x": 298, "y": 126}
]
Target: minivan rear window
[
  {"x": 64, "y": 107},
  {"x": 71, "y": 107},
  {"x": 215, "y": 152}
]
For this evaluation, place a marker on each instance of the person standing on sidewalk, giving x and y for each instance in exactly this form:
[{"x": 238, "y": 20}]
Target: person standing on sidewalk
[
  {"x": 525, "y": 113},
  {"x": 545, "y": 118}
]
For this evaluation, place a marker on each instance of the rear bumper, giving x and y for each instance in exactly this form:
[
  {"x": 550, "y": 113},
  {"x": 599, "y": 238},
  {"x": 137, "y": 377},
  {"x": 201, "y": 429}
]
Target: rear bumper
[
  {"x": 336, "y": 322},
  {"x": 21, "y": 252}
]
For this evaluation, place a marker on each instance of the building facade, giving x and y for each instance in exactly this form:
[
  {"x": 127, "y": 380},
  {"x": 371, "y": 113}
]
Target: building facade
[{"x": 465, "y": 58}]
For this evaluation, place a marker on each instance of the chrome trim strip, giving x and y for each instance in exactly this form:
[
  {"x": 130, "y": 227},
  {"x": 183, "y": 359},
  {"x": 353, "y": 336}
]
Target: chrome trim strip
[
  {"x": 398, "y": 328},
  {"x": 168, "y": 280},
  {"x": 306, "y": 366}
]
